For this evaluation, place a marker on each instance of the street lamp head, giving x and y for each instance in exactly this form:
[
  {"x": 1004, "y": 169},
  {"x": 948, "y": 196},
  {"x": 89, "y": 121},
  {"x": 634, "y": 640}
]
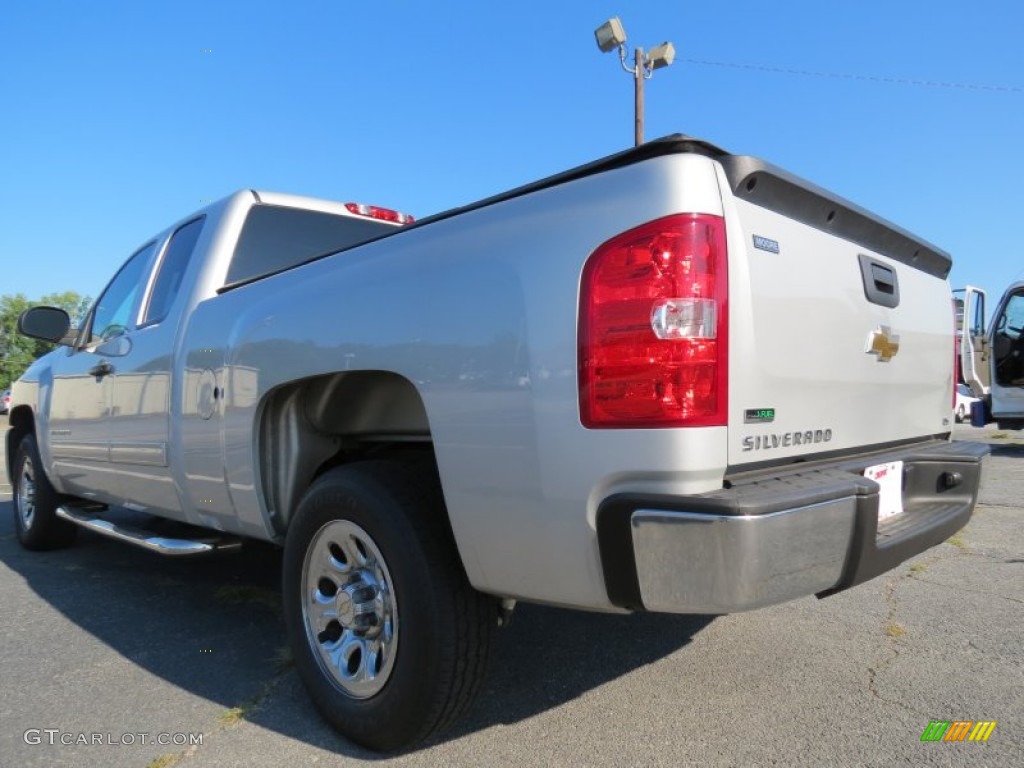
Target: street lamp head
[
  {"x": 610, "y": 35},
  {"x": 661, "y": 56}
]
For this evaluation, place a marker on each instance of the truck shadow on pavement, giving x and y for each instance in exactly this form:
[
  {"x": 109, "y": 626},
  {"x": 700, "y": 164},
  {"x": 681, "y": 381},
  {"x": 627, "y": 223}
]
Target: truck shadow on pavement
[
  {"x": 1013, "y": 450},
  {"x": 213, "y": 627}
]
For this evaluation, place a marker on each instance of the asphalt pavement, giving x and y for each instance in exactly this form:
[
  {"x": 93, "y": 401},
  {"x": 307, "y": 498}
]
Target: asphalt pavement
[{"x": 108, "y": 644}]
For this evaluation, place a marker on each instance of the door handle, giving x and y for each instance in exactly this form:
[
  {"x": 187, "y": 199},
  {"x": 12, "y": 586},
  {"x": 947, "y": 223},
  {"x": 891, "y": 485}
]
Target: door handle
[{"x": 103, "y": 368}]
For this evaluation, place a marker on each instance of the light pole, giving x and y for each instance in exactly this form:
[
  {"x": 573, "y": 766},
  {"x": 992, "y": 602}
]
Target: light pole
[{"x": 612, "y": 35}]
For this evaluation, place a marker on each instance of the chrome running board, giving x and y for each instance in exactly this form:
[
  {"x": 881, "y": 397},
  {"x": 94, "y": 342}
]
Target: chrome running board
[{"x": 145, "y": 539}]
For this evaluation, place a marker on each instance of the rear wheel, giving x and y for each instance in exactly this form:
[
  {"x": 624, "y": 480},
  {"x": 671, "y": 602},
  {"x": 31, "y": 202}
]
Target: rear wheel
[
  {"x": 961, "y": 413},
  {"x": 35, "y": 502},
  {"x": 388, "y": 636}
]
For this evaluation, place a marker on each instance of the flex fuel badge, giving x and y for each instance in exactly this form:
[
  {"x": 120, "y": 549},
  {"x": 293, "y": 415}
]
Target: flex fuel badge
[{"x": 759, "y": 416}]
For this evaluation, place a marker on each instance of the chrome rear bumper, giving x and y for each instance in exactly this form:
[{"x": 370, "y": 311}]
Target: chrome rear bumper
[{"x": 773, "y": 537}]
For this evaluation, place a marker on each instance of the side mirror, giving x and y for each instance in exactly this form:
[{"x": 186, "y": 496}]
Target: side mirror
[{"x": 45, "y": 323}]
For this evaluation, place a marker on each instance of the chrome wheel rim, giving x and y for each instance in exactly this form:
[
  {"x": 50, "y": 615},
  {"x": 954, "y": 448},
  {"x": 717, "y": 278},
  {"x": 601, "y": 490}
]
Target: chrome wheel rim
[
  {"x": 27, "y": 494},
  {"x": 349, "y": 609}
]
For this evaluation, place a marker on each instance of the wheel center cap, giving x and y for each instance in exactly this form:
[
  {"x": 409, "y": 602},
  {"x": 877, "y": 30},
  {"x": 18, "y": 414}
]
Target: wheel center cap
[
  {"x": 360, "y": 607},
  {"x": 346, "y": 608}
]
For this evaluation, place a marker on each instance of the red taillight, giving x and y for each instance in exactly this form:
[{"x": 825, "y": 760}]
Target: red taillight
[
  {"x": 653, "y": 343},
  {"x": 384, "y": 214}
]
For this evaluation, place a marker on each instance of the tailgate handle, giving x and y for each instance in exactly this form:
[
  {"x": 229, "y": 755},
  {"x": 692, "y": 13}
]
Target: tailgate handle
[{"x": 881, "y": 285}]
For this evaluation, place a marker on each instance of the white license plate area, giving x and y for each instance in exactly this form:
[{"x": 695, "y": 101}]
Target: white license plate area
[{"x": 889, "y": 477}]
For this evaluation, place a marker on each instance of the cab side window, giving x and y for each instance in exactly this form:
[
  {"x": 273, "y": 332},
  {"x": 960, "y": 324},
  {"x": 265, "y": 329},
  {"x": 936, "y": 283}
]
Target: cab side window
[
  {"x": 171, "y": 271},
  {"x": 112, "y": 314},
  {"x": 1012, "y": 320}
]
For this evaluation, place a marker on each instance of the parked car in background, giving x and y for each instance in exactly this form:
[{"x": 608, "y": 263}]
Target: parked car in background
[
  {"x": 962, "y": 407},
  {"x": 5, "y": 402}
]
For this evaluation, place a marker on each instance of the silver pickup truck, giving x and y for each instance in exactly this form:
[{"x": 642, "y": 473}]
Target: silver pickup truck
[{"x": 674, "y": 380}]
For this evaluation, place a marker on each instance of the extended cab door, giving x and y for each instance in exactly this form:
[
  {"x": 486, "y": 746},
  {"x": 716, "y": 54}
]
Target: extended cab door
[
  {"x": 1006, "y": 342},
  {"x": 140, "y": 409},
  {"x": 973, "y": 340},
  {"x": 79, "y": 409}
]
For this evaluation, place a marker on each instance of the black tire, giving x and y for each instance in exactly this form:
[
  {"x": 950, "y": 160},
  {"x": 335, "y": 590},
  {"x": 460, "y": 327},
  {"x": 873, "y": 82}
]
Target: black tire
[
  {"x": 961, "y": 413},
  {"x": 442, "y": 628},
  {"x": 36, "y": 501}
]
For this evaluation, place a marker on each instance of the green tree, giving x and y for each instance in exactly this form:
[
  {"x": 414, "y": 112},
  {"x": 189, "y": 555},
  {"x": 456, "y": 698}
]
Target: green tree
[
  {"x": 71, "y": 302},
  {"x": 18, "y": 352}
]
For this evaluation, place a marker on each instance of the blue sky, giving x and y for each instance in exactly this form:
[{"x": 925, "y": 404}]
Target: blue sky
[{"x": 120, "y": 117}]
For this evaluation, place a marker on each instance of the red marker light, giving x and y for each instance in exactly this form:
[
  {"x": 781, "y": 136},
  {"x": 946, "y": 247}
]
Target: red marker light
[{"x": 383, "y": 214}]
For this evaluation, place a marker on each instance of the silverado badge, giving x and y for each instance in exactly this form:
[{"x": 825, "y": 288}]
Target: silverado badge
[{"x": 883, "y": 343}]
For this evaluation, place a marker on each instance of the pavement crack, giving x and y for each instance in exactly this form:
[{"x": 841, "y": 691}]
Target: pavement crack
[
  {"x": 967, "y": 590},
  {"x": 986, "y": 505},
  {"x": 893, "y": 650},
  {"x": 894, "y": 631},
  {"x": 229, "y": 718}
]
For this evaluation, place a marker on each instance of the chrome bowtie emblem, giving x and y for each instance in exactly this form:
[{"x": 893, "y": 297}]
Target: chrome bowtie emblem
[{"x": 883, "y": 343}]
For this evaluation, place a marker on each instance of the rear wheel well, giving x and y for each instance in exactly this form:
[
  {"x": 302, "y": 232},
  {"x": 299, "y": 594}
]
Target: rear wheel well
[{"x": 311, "y": 426}]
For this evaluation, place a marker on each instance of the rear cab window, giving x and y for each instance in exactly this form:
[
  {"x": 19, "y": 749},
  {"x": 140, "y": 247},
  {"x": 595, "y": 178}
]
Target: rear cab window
[{"x": 275, "y": 238}]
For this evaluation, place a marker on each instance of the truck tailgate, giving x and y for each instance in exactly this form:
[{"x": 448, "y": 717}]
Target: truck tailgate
[{"x": 841, "y": 327}]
